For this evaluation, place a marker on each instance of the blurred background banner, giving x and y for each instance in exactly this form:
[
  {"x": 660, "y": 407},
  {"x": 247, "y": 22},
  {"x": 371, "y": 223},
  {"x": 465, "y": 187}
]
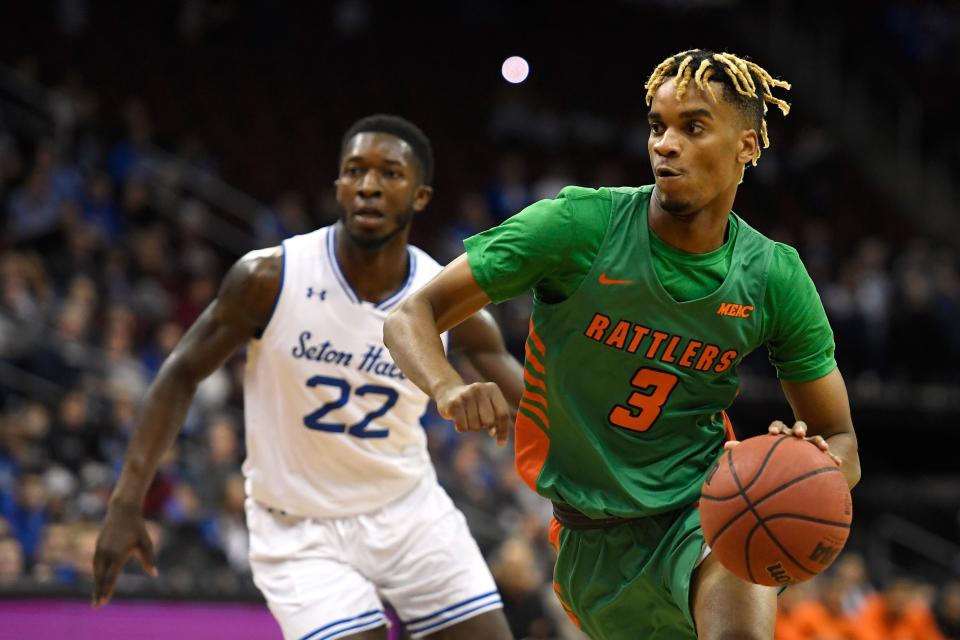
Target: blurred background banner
[
  {"x": 140, "y": 621},
  {"x": 145, "y": 146}
]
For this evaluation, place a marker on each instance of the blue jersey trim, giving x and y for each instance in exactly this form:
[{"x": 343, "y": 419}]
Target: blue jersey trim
[
  {"x": 335, "y": 263},
  {"x": 397, "y": 295}
]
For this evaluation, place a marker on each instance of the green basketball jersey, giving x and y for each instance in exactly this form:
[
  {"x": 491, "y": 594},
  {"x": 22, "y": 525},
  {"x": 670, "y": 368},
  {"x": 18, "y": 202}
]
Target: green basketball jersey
[{"x": 625, "y": 385}]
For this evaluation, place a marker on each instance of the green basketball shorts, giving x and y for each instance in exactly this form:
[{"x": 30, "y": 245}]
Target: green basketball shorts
[{"x": 631, "y": 580}]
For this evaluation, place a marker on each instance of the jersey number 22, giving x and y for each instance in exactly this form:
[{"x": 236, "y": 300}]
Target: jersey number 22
[{"x": 360, "y": 429}]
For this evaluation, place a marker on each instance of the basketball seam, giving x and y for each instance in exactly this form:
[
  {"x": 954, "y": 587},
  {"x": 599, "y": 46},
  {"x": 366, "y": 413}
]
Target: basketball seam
[
  {"x": 756, "y": 476},
  {"x": 800, "y": 516},
  {"x": 762, "y": 499},
  {"x": 796, "y": 516},
  {"x": 761, "y": 523}
]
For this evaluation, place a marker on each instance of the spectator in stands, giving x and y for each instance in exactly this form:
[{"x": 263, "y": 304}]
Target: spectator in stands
[
  {"x": 850, "y": 575},
  {"x": 948, "y": 610},
  {"x": 83, "y": 544},
  {"x": 130, "y": 157},
  {"x": 25, "y": 302},
  {"x": 27, "y": 441},
  {"x": 510, "y": 191},
  {"x": 11, "y": 561},
  {"x": 212, "y": 465},
  {"x": 816, "y": 612},
  {"x": 123, "y": 374},
  {"x": 898, "y": 613},
  {"x": 99, "y": 211},
  {"x": 472, "y": 217},
  {"x": 229, "y": 526},
  {"x": 53, "y": 559},
  {"x": 35, "y": 209},
  {"x": 520, "y": 582},
  {"x": 75, "y": 434},
  {"x": 287, "y": 217},
  {"x": 788, "y": 601},
  {"x": 27, "y": 514},
  {"x": 165, "y": 338}
]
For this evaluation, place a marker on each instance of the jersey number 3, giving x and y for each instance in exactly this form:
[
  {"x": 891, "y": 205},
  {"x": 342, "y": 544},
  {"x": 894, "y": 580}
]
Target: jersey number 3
[
  {"x": 653, "y": 387},
  {"x": 359, "y": 430}
]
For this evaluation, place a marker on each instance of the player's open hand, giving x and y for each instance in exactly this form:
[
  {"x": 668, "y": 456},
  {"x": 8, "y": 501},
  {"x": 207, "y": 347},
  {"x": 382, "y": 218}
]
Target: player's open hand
[
  {"x": 124, "y": 533},
  {"x": 480, "y": 406},
  {"x": 798, "y": 430}
]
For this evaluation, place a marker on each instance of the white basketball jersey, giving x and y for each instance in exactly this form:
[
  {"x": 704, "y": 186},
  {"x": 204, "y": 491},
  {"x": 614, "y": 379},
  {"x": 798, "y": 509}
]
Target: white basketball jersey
[{"x": 332, "y": 425}]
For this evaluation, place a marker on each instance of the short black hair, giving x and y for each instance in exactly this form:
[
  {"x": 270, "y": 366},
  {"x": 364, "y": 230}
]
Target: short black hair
[{"x": 403, "y": 129}]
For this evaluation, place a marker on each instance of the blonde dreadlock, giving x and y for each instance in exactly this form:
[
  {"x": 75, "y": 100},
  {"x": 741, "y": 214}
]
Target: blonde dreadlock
[{"x": 745, "y": 78}]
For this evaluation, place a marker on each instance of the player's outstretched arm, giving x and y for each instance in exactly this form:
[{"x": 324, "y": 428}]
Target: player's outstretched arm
[
  {"x": 412, "y": 334},
  {"x": 822, "y": 410},
  {"x": 243, "y": 306}
]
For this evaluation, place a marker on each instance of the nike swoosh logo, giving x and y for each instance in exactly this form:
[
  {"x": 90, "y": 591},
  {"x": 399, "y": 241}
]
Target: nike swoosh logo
[{"x": 605, "y": 280}]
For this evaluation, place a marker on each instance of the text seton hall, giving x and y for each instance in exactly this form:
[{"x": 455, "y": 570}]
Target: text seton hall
[{"x": 373, "y": 360}]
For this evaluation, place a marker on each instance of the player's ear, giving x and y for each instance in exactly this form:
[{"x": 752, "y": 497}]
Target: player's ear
[
  {"x": 748, "y": 146},
  {"x": 422, "y": 197}
]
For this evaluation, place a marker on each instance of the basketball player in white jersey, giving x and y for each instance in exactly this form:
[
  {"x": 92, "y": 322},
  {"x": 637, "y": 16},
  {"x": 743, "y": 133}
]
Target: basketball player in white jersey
[{"x": 343, "y": 504}]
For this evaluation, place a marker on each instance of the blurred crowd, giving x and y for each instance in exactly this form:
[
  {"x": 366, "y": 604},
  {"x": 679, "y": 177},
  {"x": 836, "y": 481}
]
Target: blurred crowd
[
  {"x": 844, "y": 605},
  {"x": 106, "y": 259}
]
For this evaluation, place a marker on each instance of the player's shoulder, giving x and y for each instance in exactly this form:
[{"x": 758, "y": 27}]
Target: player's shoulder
[
  {"x": 786, "y": 266},
  {"x": 785, "y": 253},
  {"x": 312, "y": 243},
  {"x": 252, "y": 284},
  {"x": 576, "y": 201},
  {"x": 259, "y": 263},
  {"x": 603, "y": 198},
  {"x": 748, "y": 234},
  {"x": 576, "y": 193}
]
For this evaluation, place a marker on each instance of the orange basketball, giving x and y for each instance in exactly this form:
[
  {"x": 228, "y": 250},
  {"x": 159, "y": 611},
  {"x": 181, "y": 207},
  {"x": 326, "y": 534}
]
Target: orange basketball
[{"x": 775, "y": 510}]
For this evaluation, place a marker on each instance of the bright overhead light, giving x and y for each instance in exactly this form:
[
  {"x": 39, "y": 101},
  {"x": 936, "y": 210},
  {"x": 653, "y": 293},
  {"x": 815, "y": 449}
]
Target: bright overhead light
[{"x": 515, "y": 69}]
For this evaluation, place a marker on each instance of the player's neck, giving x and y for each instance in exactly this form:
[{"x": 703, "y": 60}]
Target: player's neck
[
  {"x": 698, "y": 231},
  {"x": 374, "y": 273}
]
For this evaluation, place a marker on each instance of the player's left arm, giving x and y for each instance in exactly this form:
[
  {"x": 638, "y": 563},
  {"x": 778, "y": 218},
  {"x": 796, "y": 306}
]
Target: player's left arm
[
  {"x": 822, "y": 412},
  {"x": 479, "y": 341},
  {"x": 801, "y": 345}
]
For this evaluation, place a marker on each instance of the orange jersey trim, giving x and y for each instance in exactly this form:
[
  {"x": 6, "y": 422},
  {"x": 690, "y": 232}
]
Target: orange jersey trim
[
  {"x": 531, "y": 446},
  {"x": 537, "y": 342},
  {"x": 533, "y": 360},
  {"x": 533, "y": 382},
  {"x": 728, "y": 427},
  {"x": 535, "y": 410}
]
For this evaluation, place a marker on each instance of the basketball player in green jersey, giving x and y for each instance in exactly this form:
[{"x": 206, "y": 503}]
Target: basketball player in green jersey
[{"x": 645, "y": 301}]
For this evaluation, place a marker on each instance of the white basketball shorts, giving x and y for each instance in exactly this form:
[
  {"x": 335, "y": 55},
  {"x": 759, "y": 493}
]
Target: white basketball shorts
[{"x": 324, "y": 578}]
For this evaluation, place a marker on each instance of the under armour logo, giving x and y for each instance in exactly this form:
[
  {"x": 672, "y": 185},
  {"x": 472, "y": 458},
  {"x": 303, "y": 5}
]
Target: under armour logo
[{"x": 320, "y": 293}]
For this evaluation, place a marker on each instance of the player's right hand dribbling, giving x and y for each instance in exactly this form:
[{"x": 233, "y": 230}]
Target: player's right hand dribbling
[
  {"x": 124, "y": 533},
  {"x": 480, "y": 406}
]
